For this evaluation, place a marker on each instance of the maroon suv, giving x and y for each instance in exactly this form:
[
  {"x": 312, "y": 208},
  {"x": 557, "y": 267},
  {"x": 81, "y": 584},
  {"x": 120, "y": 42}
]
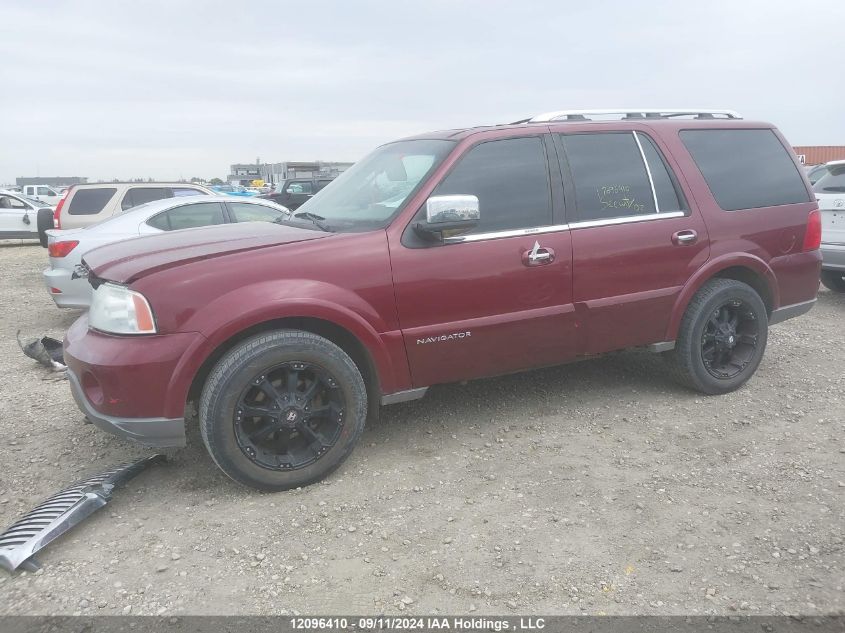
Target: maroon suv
[{"x": 445, "y": 257}]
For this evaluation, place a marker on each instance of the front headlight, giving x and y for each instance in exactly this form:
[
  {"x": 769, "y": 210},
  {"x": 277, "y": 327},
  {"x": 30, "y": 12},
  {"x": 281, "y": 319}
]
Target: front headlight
[{"x": 119, "y": 310}]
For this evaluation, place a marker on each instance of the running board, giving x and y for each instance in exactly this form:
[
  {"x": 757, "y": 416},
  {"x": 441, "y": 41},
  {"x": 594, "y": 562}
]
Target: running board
[{"x": 58, "y": 514}]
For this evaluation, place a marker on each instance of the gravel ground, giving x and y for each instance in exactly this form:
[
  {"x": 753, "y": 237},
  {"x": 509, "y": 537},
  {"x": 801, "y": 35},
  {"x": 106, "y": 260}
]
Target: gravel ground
[{"x": 597, "y": 487}]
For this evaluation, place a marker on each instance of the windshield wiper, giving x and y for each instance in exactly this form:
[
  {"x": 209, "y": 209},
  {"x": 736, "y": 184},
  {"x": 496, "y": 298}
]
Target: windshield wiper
[{"x": 317, "y": 220}]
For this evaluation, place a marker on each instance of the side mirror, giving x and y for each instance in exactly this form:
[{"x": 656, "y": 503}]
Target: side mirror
[{"x": 450, "y": 215}]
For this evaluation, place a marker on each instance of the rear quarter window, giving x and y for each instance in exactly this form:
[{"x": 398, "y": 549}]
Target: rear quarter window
[
  {"x": 90, "y": 201},
  {"x": 746, "y": 169},
  {"x": 137, "y": 196}
]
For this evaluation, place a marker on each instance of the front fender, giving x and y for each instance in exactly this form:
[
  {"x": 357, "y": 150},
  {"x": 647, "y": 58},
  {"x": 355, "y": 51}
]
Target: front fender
[
  {"x": 266, "y": 301},
  {"x": 711, "y": 269}
]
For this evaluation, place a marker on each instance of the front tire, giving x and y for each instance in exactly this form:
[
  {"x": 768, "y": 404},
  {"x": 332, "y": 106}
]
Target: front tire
[
  {"x": 282, "y": 409},
  {"x": 722, "y": 337},
  {"x": 833, "y": 280}
]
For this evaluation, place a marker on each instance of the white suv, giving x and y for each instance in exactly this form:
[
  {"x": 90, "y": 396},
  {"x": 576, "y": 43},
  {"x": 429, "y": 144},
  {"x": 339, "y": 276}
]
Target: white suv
[{"x": 830, "y": 192}]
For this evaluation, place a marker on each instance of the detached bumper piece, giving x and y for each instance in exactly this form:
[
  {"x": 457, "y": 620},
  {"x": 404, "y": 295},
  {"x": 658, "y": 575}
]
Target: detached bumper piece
[
  {"x": 58, "y": 514},
  {"x": 47, "y": 351}
]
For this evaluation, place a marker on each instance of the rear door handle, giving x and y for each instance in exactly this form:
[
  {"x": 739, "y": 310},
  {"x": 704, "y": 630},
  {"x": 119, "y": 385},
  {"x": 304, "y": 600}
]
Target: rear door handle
[{"x": 684, "y": 238}]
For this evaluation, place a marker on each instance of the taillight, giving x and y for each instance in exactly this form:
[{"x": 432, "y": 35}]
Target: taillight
[
  {"x": 61, "y": 249},
  {"x": 57, "y": 218},
  {"x": 813, "y": 234}
]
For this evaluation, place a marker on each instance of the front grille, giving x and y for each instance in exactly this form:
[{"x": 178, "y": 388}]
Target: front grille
[{"x": 58, "y": 514}]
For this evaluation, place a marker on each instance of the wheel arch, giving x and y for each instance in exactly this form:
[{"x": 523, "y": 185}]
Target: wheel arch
[
  {"x": 746, "y": 268},
  {"x": 337, "y": 334}
]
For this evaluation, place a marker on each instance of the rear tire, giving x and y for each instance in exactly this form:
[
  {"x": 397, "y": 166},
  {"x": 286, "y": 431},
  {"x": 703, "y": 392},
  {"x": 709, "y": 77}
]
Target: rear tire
[
  {"x": 722, "y": 337},
  {"x": 44, "y": 223},
  {"x": 833, "y": 280},
  {"x": 282, "y": 409}
]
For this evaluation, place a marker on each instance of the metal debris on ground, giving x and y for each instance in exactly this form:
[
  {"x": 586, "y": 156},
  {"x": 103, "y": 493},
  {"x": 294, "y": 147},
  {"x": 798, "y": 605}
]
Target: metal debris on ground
[
  {"x": 58, "y": 514},
  {"x": 47, "y": 351}
]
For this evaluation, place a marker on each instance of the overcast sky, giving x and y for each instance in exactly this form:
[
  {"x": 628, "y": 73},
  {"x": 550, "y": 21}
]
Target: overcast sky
[{"x": 181, "y": 89}]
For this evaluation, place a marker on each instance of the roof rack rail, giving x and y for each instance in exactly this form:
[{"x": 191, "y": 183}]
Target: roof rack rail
[{"x": 635, "y": 113}]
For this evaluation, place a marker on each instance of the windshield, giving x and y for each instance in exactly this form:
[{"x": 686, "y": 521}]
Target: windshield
[
  {"x": 371, "y": 192},
  {"x": 832, "y": 182}
]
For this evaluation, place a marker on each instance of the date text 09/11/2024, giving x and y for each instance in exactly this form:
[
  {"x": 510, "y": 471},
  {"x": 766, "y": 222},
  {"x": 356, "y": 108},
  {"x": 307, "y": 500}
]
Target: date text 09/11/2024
[{"x": 399, "y": 623}]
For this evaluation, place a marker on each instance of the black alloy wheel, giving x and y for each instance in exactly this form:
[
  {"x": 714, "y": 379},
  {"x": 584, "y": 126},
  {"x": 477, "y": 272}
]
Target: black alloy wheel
[
  {"x": 722, "y": 337},
  {"x": 730, "y": 339},
  {"x": 289, "y": 416},
  {"x": 282, "y": 409}
]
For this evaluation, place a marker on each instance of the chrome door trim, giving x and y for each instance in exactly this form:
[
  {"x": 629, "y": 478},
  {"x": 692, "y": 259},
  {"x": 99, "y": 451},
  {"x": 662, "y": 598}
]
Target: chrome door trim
[
  {"x": 648, "y": 172},
  {"x": 626, "y": 219},
  {"x": 495, "y": 235}
]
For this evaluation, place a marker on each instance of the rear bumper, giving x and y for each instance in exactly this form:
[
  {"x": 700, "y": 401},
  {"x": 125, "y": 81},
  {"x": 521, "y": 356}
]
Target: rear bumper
[
  {"x": 131, "y": 386},
  {"x": 833, "y": 256},
  {"x": 73, "y": 293}
]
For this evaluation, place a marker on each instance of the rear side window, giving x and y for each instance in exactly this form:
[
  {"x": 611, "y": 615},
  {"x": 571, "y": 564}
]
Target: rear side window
[
  {"x": 253, "y": 212},
  {"x": 300, "y": 187},
  {"x": 142, "y": 195},
  {"x": 610, "y": 177},
  {"x": 745, "y": 169},
  {"x": 666, "y": 189},
  {"x": 511, "y": 180},
  {"x": 90, "y": 201},
  {"x": 188, "y": 216},
  {"x": 160, "y": 221}
]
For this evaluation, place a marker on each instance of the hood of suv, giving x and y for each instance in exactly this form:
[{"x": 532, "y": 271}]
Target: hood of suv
[{"x": 128, "y": 260}]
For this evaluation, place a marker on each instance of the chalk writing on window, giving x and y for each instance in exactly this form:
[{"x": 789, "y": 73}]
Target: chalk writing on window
[{"x": 618, "y": 197}]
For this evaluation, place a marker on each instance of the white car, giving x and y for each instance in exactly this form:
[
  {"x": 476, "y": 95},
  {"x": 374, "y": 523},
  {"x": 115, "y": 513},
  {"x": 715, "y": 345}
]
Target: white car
[
  {"x": 830, "y": 192},
  {"x": 19, "y": 216},
  {"x": 66, "y": 248}
]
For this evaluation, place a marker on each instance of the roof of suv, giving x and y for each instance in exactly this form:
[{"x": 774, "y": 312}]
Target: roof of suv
[{"x": 677, "y": 119}]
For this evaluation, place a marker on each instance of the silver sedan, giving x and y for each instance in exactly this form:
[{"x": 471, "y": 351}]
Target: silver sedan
[{"x": 66, "y": 248}]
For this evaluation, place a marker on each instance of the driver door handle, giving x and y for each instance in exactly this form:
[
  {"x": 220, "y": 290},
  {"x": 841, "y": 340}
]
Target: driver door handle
[{"x": 538, "y": 255}]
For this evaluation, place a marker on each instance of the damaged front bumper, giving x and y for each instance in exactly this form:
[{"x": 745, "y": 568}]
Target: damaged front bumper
[
  {"x": 156, "y": 432},
  {"x": 58, "y": 514}
]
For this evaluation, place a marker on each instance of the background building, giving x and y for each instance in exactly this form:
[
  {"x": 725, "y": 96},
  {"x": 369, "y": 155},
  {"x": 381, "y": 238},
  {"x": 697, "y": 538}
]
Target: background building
[
  {"x": 55, "y": 181},
  {"x": 245, "y": 173},
  {"x": 817, "y": 154}
]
